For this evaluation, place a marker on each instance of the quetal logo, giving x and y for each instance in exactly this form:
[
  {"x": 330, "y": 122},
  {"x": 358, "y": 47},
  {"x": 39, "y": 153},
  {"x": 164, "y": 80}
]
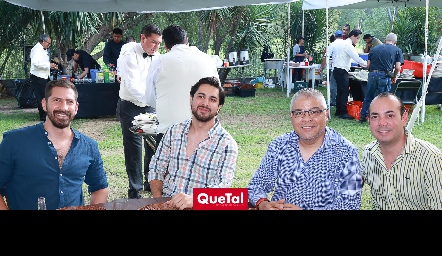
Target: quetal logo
[{"x": 220, "y": 199}]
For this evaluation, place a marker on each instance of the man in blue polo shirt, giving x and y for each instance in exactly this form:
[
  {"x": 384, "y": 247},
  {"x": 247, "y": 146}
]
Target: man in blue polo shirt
[{"x": 382, "y": 58}]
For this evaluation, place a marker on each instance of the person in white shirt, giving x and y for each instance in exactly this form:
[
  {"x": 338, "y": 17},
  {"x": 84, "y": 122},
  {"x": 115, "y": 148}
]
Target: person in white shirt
[
  {"x": 134, "y": 69},
  {"x": 40, "y": 70},
  {"x": 130, "y": 43},
  {"x": 342, "y": 52},
  {"x": 172, "y": 75}
]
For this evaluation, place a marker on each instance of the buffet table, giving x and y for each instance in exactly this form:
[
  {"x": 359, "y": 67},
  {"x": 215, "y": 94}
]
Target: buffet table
[
  {"x": 224, "y": 71},
  {"x": 97, "y": 99}
]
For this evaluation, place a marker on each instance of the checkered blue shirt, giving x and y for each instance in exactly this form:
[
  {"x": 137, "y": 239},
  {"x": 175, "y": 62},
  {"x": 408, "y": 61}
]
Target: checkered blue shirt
[{"x": 330, "y": 179}]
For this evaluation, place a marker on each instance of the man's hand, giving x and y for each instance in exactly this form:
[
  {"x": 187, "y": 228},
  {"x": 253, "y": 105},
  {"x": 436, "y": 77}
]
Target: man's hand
[
  {"x": 272, "y": 205},
  {"x": 181, "y": 201}
]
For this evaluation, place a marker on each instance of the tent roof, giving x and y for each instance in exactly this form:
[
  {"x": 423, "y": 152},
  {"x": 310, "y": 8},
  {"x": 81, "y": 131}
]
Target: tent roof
[
  {"x": 102, "y": 6},
  {"x": 363, "y": 4}
]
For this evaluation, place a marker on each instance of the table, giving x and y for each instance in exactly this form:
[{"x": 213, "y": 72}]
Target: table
[
  {"x": 308, "y": 69},
  {"x": 277, "y": 64},
  {"x": 97, "y": 99},
  {"x": 132, "y": 204},
  {"x": 224, "y": 71}
]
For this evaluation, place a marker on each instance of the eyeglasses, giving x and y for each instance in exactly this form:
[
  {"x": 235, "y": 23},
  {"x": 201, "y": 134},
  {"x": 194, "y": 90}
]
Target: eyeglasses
[
  {"x": 49, "y": 43},
  {"x": 314, "y": 112}
]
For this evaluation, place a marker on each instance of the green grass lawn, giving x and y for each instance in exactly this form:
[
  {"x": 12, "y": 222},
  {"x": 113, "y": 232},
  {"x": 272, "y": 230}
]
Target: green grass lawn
[{"x": 253, "y": 121}]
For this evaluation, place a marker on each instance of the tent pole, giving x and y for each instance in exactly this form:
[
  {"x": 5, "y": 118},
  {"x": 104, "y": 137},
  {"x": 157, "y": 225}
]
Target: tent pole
[
  {"x": 327, "y": 60},
  {"x": 424, "y": 76},
  {"x": 287, "y": 69},
  {"x": 303, "y": 23}
]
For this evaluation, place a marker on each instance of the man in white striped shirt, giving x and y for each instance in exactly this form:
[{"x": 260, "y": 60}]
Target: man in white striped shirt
[{"x": 403, "y": 172}]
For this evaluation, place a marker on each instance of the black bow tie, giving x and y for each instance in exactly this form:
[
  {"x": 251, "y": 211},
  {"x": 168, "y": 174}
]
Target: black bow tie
[{"x": 145, "y": 55}]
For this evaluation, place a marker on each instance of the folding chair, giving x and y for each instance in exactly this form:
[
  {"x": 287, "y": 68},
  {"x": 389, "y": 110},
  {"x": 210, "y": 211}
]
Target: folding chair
[{"x": 408, "y": 92}]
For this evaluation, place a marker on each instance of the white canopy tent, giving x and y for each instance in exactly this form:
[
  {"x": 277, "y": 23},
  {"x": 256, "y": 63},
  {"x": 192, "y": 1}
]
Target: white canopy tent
[
  {"x": 362, "y": 4},
  {"x": 170, "y": 6}
]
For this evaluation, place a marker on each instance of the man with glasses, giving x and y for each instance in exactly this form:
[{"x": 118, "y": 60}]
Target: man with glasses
[
  {"x": 311, "y": 168},
  {"x": 40, "y": 70}
]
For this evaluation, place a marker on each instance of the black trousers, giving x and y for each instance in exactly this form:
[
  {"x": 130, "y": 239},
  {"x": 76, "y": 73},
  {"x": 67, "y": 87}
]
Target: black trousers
[
  {"x": 39, "y": 85},
  {"x": 132, "y": 144},
  {"x": 341, "y": 77}
]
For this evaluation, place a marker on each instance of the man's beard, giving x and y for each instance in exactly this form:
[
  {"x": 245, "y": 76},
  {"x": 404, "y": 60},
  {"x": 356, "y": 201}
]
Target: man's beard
[
  {"x": 60, "y": 123},
  {"x": 201, "y": 118}
]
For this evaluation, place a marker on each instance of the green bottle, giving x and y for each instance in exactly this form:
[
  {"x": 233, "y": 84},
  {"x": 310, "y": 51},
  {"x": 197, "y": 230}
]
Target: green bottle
[{"x": 106, "y": 74}]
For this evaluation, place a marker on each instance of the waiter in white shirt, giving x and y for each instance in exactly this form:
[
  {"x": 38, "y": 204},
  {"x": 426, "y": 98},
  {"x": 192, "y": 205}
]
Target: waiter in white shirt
[
  {"x": 40, "y": 70},
  {"x": 133, "y": 66},
  {"x": 342, "y": 52},
  {"x": 172, "y": 75}
]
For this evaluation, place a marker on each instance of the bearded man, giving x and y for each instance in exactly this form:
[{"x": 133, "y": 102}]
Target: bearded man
[
  {"x": 196, "y": 153},
  {"x": 50, "y": 159}
]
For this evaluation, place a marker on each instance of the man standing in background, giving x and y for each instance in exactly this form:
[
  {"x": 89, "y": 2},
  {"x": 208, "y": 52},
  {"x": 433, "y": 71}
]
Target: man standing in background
[
  {"x": 345, "y": 31},
  {"x": 299, "y": 55},
  {"x": 112, "y": 48},
  {"x": 40, "y": 70},
  {"x": 381, "y": 59},
  {"x": 370, "y": 42},
  {"x": 172, "y": 76},
  {"x": 134, "y": 68},
  {"x": 83, "y": 60},
  {"x": 342, "y": 52}
]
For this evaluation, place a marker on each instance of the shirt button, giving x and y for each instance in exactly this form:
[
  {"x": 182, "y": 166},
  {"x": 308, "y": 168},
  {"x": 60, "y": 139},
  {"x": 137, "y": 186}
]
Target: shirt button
[
  {"x": 61, "y": 174},
  {"x": 49, "y": 143},
  {"x": 55, "y": 158},
  {"x": 61, "y": 191}
]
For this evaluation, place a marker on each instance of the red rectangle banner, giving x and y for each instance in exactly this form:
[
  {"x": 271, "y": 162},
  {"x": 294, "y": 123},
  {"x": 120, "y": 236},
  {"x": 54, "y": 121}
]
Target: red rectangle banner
[{"x": 220, "y": 199}]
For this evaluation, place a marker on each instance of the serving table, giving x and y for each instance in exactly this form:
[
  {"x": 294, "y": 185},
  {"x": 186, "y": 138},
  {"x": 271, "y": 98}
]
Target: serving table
[
  {"x": 97, "y": 99},
  {"x": 224, "y": 71},
  {"x": 309, "y": 70}
]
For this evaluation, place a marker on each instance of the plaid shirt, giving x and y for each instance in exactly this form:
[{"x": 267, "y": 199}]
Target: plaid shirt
[
  {"x": 211, "y": 165},
  {"x": 330, "y": 179}
]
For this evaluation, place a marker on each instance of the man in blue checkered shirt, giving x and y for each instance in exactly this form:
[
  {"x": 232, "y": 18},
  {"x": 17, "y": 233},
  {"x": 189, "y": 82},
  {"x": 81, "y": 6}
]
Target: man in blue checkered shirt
[{"x": 311, "y": 168}]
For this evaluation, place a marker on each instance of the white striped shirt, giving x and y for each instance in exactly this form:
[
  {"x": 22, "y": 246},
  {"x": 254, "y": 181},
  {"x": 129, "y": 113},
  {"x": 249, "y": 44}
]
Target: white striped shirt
[{"x": 414, "y": 181}]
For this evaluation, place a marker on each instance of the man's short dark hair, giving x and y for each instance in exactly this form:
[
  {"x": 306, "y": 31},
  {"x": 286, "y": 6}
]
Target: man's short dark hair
[
  {"x": 213, "y": 81},
  {"x": 117, "y": 31},
  {"x": 299, "y": 39},
  {"x": 355, "y": 32},
  {"x": 59, "y": 83},
  {"x": 173, "y": 35},
  {"x": 70, "y": 53},
  {"x": 151, "y": 29},
  {"x": 367, "y": 36}
]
